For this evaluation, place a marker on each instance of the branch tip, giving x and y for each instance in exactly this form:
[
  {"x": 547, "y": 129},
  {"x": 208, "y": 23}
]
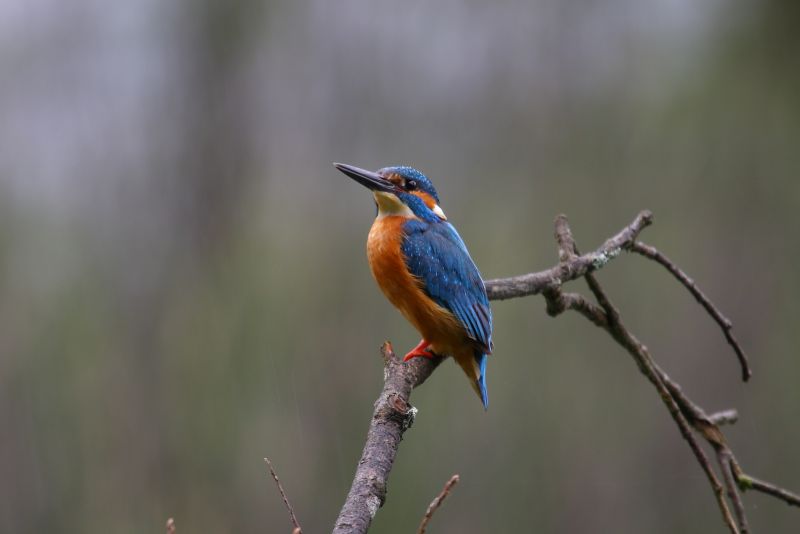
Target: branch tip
[
  {"x": 387, "y": 351},
  {"x": 724, "y": 323},
  {"x": 287, "y": 504},
  {"x": 725, "y": 417},
  {"x": 437, "y": 502}
]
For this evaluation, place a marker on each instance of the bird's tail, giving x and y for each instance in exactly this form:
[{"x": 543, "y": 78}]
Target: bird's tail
[
  {"x": 481, "y": 359},
  {"x": 474, "y": 365}
]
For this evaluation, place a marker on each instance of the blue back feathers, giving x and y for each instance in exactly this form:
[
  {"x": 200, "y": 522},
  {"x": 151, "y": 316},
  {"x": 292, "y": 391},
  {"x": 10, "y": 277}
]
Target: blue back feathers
[{"x": 436, "y": 255}]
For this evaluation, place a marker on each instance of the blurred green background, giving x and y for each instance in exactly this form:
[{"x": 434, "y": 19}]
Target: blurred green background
[{"x": 184, "y": 288}]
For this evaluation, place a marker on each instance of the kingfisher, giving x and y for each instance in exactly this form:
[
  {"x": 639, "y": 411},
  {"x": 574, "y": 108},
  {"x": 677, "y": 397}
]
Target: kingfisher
[{"x": 422, "y": 266}]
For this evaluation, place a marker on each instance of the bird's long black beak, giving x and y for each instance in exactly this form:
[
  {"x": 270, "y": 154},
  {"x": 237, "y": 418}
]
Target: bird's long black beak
[{"x": 370, "y": 180}]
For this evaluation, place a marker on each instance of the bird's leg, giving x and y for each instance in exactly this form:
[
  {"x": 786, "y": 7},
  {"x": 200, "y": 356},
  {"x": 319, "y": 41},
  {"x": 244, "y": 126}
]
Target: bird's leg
[{"x": 419, "y": 350}]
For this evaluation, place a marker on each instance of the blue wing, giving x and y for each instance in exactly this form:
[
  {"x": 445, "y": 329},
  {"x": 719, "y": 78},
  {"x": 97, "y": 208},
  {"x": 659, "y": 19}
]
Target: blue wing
[{"x": 437, "y": 256}]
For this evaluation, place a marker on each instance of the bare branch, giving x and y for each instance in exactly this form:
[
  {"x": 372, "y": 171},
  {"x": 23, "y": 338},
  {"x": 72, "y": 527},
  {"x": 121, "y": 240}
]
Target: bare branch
[
  {"x": 725, "y": 417},
  {"x": 558, "y": 302},
  {"x": 724, "y": 457},
  {"x": 295, "y": 524},
  {"x": 535, "y": 283},
  {"x": 436, "y": 503},
  {"x": 746, "y": 482},
  {"x": 393, "y": 415},
  {"x": 650, "y": 252},
  {"x": 642, "y": 357},
  {"x": 708, "y": 427},
  {"x": 614, "y": 326},
  {"x": 567, "y": 251}
]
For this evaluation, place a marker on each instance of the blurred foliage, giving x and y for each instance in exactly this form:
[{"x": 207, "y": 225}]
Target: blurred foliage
[{"x": 183, "y": 287}]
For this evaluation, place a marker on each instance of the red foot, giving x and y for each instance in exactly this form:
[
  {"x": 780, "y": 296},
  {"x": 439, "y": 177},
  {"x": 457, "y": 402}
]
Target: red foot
[{"x": 419, "y": 351}]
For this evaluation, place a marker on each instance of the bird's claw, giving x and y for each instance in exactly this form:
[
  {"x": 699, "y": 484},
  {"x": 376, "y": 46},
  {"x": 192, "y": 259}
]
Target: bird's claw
[{"x": 419, "y": 351}]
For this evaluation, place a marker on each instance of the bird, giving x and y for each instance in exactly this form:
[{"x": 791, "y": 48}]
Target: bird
[{"x": 423, "y": 268}]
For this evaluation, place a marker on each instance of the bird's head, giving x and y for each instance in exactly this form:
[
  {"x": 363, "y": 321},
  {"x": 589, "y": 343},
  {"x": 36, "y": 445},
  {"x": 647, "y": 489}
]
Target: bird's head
[{"x": 399, "y": 191}]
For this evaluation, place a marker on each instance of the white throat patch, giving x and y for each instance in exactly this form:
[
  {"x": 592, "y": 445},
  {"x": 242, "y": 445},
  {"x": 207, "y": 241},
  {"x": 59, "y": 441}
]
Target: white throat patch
[{"x": 389, "y": 204}]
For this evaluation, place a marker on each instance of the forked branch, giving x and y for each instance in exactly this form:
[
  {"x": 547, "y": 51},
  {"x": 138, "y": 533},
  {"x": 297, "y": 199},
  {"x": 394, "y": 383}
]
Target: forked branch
[{"x": 393, "y": 413}]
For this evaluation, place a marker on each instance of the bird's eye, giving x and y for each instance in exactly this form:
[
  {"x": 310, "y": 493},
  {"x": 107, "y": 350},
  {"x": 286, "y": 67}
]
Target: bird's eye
[{"x": 411, "y": 185}]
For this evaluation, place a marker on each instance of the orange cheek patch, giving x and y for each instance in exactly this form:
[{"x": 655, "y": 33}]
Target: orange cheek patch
[{"x": 426, "y": 198}]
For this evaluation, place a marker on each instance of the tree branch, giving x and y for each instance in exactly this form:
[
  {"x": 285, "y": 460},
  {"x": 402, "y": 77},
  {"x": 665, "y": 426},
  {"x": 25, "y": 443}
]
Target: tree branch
[
  {"x": 614, "y": 326},
  {"x": 393, "y": 413},
  {"x": 295, "y": 524},
  {"x": 436, "y": 503},
  {"x": 642, "y": 357},
  {"x": 650, "y": 252},
  {"x": 747, "y": 482},
  {"x": 725, "y": 417},
  {"x": 535, "y": 283}
]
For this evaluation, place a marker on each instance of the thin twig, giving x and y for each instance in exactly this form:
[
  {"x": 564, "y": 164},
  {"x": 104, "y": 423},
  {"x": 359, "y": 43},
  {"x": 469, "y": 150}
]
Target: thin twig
[
  {"x": 295, "y": 524},
  {"x": 725, "y": 417},
  {"x": 436, "y": 503},
  {"x": 708, "y": 427},
  {"x": 651, "y": 253},
  {"x": 724, "y": 457},
  {"x": 614, "y": 326},
  {"x": 558, "y": 302},
  {"x": 171, "y": 529},
  {"x": 567, "y": 250},
  {"x": 746, "y": 482},
  {"x": 642, "y": 357}
]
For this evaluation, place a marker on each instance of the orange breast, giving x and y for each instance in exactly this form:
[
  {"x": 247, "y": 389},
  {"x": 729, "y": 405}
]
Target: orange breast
[{"x": 434, "y": 323}]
